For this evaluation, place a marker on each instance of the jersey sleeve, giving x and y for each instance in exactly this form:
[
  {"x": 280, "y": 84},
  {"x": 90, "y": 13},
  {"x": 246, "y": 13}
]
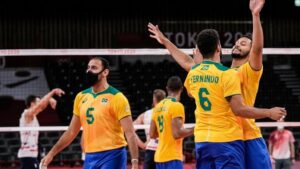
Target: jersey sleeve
[
  {"x": 249, "y": 73},
  {"x": 231, "y": 83},
  {"x": 121, "y": 106},
  {"x": 291, "y": 139},
  {"x": 177, "y": 110},
  {"x": 76, "y": 105}
]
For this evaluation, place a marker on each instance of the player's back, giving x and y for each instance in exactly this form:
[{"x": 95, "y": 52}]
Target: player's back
[
  {"x": 169, "y": 148},
  {"x": 210, "y": 83}
]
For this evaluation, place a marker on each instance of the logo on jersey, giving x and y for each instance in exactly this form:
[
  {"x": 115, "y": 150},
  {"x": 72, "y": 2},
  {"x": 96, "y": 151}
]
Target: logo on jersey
[
  {"x": 84, "y": 101},
  {"x": 104, "y": 101}
]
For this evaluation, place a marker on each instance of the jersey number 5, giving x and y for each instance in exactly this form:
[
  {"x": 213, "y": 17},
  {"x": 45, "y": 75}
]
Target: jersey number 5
[
  {"x": 89, "y": 116},
  {"x": 160, "y": 120},
  {"x": 204, "y": 101}
]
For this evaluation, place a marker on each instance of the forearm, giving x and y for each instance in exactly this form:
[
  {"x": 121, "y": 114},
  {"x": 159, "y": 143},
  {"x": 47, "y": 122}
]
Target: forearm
[
  {"x": 131, "y": 140},
  {"x": 252, "y": 112},
  {"x": 292, "y": 150},
  {"x": 65, "y": 140},
  {"x": 139, "y": 142},
  {"x": 184, "y": 60},
  {"x": 184, "y": 132},
  {"x": 258, "y": 36}
]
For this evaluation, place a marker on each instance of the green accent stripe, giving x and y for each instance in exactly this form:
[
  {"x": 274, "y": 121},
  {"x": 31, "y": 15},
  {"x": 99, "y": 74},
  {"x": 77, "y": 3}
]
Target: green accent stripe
[
  {"x": 195, "y": 66},
  {"x": 218, "y": 65},
  {"x": 109, "y": 90},
  {"x": 172, "y": 99}
]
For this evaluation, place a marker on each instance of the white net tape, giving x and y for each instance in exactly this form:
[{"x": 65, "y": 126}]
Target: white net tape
[
  {"x": 62, "y": 128},
  {"x": 62, "y": 52}
]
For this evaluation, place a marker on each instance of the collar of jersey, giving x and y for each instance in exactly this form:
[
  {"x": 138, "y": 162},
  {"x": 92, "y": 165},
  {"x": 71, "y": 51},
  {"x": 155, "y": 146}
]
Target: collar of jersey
[
  {"x": 211, "y": 62},
  {"x": 172, "y": 99},
  {"x": 106, "y": 91}
]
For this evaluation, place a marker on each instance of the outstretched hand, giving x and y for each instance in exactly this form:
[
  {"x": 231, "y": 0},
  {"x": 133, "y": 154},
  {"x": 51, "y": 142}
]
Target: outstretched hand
[
  {"x": 156, "y": 33},
  {"x": 58, "y": 92},
  {"x": 256, "y": 6}
]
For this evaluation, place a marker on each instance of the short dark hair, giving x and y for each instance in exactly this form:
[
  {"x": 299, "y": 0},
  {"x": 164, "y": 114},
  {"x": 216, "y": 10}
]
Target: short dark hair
[
  {"x": 207, "y": 42},
  {"x": 104, "y": 61},
  {"x": 159, "y": 94},
  {"x": 174, "y": 84},
  {"x": 29, "y": 100},
  {"x": 247, "y": 36}
]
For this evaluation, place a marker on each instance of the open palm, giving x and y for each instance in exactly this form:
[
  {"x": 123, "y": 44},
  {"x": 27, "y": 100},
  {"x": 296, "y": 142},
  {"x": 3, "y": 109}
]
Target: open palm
[
  {"x": 156, "y": 33},
  {"x": 256, "y": 6}
]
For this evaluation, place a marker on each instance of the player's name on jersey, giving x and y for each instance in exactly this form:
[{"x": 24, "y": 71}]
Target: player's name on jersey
[{"x": 205, "y": 79}]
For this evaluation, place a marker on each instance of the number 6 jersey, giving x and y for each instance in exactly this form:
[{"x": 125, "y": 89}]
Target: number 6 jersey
[
  {"x": 99, "y": 116},
  {"x": 209, "y": 83}
]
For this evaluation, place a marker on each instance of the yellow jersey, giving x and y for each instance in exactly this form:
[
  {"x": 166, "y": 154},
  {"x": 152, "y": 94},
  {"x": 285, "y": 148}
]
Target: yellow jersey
[
  {"x": 100, "y": 116},
  {"x": 168, "y": 148},
  {"x": 209, "y": 83},
  {"x": 249, "y": 86}
]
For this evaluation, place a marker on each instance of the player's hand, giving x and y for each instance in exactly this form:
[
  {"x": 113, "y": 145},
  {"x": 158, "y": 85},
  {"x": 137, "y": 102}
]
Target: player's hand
[
  {"x": 46, "y": 160},
  {"x": 58, "y": 92},
  {"x": 53, "y": 103},
  {"x": 293, "y": 161},
  {"x": 135, "y": 166},
  {"x": 256, "y": 6},
  {"x": 156, "y": 33},
  {"x": 277, "y": 113}
]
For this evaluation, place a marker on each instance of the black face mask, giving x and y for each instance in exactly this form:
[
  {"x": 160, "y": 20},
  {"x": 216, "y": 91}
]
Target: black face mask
[{"x": 92, "y": 78}]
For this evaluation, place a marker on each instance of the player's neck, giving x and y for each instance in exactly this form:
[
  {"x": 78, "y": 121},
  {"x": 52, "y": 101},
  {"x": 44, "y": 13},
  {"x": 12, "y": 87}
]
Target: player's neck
[
  {"x": 100, "y": 86},
  {"x": 238, "y": 62}
]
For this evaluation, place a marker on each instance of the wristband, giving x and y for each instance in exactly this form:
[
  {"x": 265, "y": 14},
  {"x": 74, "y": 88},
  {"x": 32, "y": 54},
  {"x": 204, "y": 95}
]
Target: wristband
[{"x": 134, "y": 160}]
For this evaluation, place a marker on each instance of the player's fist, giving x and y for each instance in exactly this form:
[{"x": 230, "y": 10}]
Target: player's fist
[{"x": 277, "y": 113}]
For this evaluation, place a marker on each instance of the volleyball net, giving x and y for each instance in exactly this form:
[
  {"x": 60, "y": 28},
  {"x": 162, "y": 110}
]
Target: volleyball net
[{"x": 135, "y": 72}]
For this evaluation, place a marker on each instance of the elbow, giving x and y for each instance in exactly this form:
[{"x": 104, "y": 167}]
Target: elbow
[{"x": 176, "y": 135}]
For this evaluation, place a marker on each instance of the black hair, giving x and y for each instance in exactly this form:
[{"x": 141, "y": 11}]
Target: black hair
[
  {"x": 29, "y": 100},
  {"x": 207, "y": 42},
  {"x": 174, "y": 84},
  {"x": 104, "y": 61}
]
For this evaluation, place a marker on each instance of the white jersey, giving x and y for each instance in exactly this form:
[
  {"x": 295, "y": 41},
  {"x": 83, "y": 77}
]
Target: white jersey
[
  {"x": 29, "y": 139},
  {"x": 152, "y": 144}
]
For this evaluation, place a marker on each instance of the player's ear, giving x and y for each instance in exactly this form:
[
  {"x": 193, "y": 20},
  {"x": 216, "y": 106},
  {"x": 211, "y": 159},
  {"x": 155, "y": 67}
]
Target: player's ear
[{"x": 106, "y": 72}]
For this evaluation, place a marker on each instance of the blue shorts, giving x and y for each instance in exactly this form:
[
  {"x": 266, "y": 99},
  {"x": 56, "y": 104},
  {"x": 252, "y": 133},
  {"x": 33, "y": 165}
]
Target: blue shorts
[
  {"x": 257, "y": 154},
  {"x": 224, "y": 155},
  {"x": 111, "y": 159},
  {"x": 174, "y": 164}
]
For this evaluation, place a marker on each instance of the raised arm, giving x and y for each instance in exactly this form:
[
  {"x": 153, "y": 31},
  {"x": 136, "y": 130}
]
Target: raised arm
[
  {"x": 256, "y": 51},
  {"x": 64, "y": 140},
  {"x": 183, "y": 59},
  {"x": 43, "y": 103}
]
